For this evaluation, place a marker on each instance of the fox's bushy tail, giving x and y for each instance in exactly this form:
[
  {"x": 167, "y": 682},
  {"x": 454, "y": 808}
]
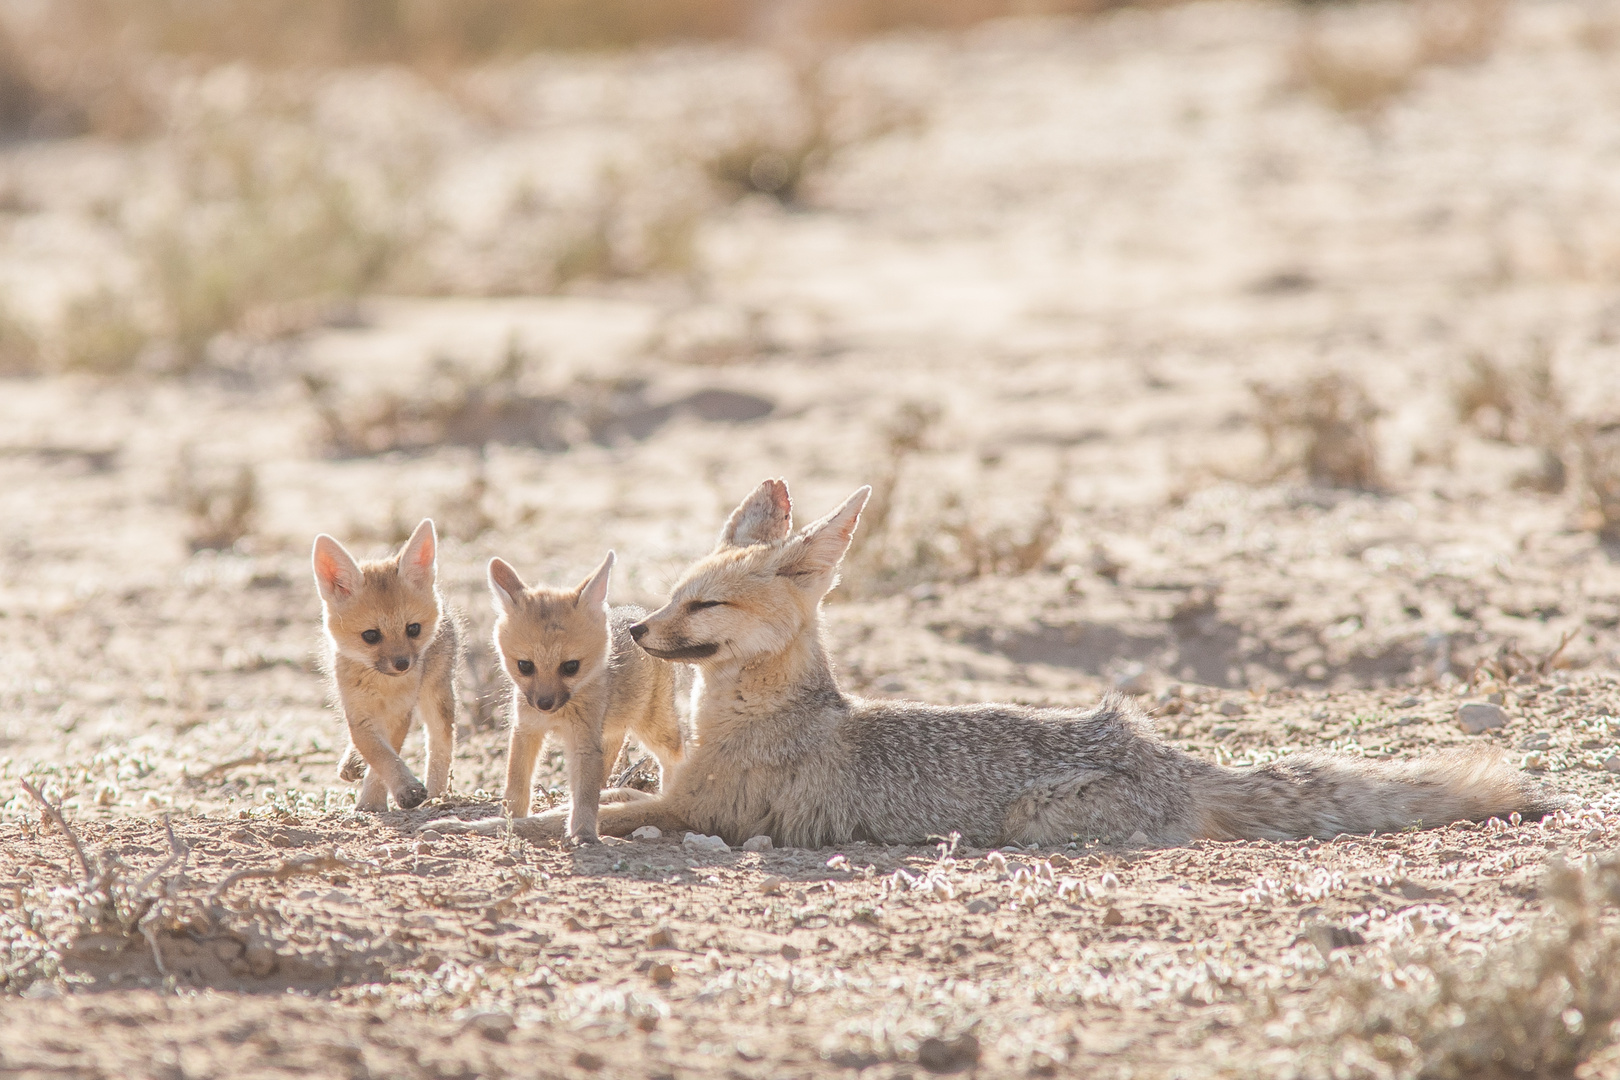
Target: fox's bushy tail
[{"x": 1319, "y": 794}]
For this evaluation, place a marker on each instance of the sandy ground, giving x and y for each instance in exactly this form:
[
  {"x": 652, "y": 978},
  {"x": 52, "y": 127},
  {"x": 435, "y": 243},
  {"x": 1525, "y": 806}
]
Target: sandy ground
[{"x": 1032, "y": 312}]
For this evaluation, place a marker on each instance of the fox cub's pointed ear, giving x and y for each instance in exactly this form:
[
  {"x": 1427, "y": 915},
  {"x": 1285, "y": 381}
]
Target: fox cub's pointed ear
[
  {"x": 337, "y": 575},
  {"x": 504, "y": 585},
  {"x": 419, "y": 557},
  {"x": 765, "y": 517},
  {"x": 818, "y": 549},
  {"x": 593, "y": 592}
]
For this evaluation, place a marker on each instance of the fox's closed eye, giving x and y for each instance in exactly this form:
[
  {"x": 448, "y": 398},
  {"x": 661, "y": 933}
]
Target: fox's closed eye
[
  {"x": 525, "y": 667},
  {"x": 371, "y": 637},
  {"x": 569, "y": 667},
  {"x": 699, "y": 605}
]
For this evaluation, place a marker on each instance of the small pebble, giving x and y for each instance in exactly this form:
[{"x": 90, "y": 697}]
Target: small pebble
[
  {"x": 1231, "y": 708},
  {"x": 698, "y": 842},
  {"x": 1613, "y": 764},
  {"x": 757, "y": 843},
  {"x": 1478, "y": 716},
  {"x": 647, "y": 832},
  {"x": 431, "y": 836}
]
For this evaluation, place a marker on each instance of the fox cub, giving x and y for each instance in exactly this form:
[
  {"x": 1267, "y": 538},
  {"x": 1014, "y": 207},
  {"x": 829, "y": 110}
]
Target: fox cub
[
  {"x": 576, "y": 672},
  {"x": 391, "y": 651}
]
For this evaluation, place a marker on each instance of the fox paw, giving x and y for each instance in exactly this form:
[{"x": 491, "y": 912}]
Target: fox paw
[
  {"x": 353, "y": 767},
  {"x": 411, "y": 796}
]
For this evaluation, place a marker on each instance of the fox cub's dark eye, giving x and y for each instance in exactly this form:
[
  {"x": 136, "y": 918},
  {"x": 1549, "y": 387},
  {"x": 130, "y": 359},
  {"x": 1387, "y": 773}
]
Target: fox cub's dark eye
[
  {"x": 371, "y": 637},
  {"x": 525, "y": 667},
  {"x": 699, "y": 605},
  {"x": 414, "y": 630},
  {"x": 569, "y": 667}
]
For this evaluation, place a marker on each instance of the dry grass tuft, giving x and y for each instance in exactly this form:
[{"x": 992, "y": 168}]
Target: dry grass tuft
[
  {"x": 1597, "y": 449},
  {"x": 776, "y": 153},
  {"x": 950, "y": 540},
  {"x": 220, "y": 513},
  {"x": 1350, "y": 79},
  {"x": 1321, "y": 428},
  {"x": 99, "y": 334},
  {"x": 1541, "y": 1006},
  {"x": 1361, "y": 77},
  {"x": 268, "y": 217}
]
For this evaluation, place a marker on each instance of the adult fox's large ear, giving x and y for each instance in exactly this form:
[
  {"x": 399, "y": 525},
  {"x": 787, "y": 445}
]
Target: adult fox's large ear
[
  {"x": 418, "y": 559},
  {"x": 504, "y": 585},
  {"x": 592, "y": 592},
  {"x": 337, "y": 575},
  {"x": 765, "y": 517},
  {"x": 816, "y": 552}
]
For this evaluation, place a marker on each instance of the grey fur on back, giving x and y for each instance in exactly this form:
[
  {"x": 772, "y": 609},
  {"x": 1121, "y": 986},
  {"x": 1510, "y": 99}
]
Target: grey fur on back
[{"x": 901, "y": 772}]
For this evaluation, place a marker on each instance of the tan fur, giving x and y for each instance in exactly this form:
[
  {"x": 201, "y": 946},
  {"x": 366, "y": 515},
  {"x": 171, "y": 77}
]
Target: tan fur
[
  {"x": 381, "y": 685},
  {"x": 781, "y": 750},
  {"x": 616, "y": 688}
]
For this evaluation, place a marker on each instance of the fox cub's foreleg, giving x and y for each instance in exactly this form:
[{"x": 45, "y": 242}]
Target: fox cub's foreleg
[{"x": 378, "y": 736}]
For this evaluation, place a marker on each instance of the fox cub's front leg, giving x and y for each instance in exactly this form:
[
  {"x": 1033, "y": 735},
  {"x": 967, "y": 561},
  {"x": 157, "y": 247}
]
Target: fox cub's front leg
[
  {"x": 585, "y": 771},
  {"x": 378, "y": 742},
  {"x": 520, "y": 757}
]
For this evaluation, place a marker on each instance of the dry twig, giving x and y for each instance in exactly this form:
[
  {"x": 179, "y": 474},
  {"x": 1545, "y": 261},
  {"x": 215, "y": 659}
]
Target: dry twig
[{"x": 61, "y": 823}]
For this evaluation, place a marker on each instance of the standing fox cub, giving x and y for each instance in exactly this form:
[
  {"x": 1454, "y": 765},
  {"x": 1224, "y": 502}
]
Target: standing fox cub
[
  {"x": 782, "y": 751},
  {"x": 576, "y": 672},
  {"x": 391, "y": 650}
]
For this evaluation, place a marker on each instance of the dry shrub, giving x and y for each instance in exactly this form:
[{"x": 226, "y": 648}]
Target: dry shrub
[
  {"x": 1321, "y": 428},
  {"x": 1351, "y": 79},
  {"x": 1597, "y": 449},
  {"x": 952, "y": 542},
  {"x": 1361, "y": 76},
  {"x": 269, "y": 217},
  {"x": 221, "y": 505},
  {"x": 776, "y": 151},
  {"x": 1520, "y": 405},
  {"x": 1538, "y": 1007},
  {"x": 99, "y": 334},
  {"x": 464, "y": 406}
]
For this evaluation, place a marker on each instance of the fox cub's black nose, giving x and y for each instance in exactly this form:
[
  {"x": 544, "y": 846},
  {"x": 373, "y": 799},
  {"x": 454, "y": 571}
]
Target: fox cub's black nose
[
  {"x": 545, "y": 704},
  {"x": 638, "y": 631},
  {"x": 402, "y": 663}
]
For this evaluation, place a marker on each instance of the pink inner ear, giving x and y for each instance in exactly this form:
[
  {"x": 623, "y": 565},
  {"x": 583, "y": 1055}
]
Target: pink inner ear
[{"x": 332, "y": 572}]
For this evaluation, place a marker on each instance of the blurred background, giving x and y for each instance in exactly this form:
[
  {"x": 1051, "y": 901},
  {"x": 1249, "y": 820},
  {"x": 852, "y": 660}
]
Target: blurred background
[{"x": 1258, "y": 346}]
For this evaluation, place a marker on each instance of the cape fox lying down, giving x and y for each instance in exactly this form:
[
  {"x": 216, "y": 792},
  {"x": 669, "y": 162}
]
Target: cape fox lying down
[{"x": 782, "y": 751}]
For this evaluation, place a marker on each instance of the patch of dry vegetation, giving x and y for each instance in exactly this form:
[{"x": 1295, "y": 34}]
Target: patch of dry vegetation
[
  {"x": 1359, "y": 75},
  {"x": 1321, "y": 428},
  {"x": 1543, "y": 1005},
  {"x": 440, "y": 33},
  {"x": 948, "y": 539}
]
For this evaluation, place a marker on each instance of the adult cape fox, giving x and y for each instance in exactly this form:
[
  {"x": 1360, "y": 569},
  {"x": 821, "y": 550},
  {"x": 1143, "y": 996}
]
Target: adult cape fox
[
  {"x": 576, "y": 673},
  {"x": 391, "y": 652},
  {"x": 782, "y": 751}
]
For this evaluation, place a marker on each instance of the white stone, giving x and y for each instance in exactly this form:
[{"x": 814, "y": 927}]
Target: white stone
[
  {"x": 647, "y": 832},
  {"x": 757, "y": 843},
  {"x": 1478, "y": 716},
  {"x": 1613, "y": 764},
  {"x": 698, "y": 842}
]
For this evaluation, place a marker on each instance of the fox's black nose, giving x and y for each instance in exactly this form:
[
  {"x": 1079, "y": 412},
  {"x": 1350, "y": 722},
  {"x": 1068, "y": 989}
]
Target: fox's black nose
[
  {"x": 638, "y": 631},
  {"x": 402, "y": 663},
  {"x": 545, "y": 704}
]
